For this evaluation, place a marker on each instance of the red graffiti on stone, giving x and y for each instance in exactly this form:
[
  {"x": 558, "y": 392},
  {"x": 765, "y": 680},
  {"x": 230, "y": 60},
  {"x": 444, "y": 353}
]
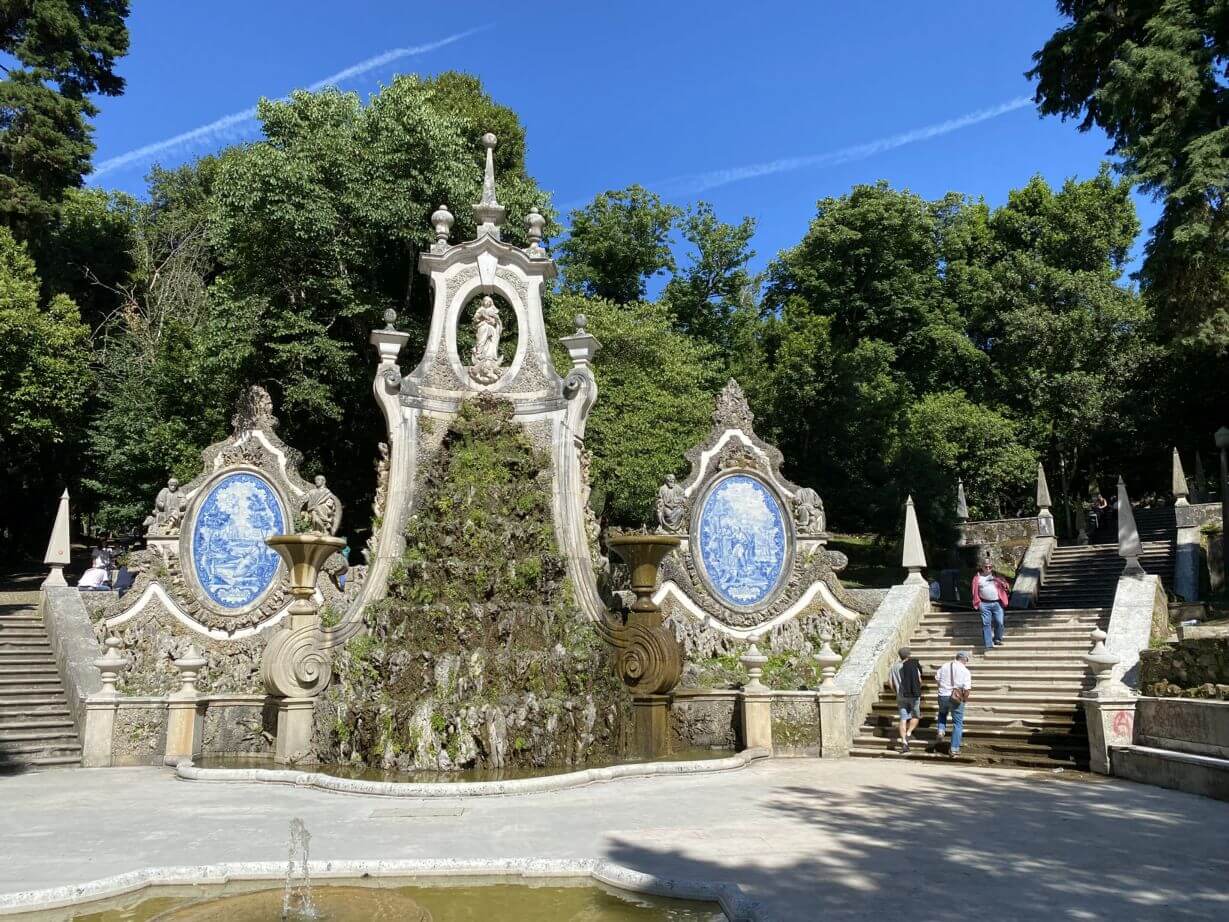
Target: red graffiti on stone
[{"x": 1124, "y": 725}]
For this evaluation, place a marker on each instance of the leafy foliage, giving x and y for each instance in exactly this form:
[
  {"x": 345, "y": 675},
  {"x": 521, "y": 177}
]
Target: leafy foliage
[
  {"x": 1151, "y": 74},
  {"x": 616, "y": 243}
]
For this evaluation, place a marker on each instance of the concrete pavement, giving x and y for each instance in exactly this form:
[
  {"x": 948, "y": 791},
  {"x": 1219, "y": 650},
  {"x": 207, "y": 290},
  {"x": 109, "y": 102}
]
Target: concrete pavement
[{"x": 849, "y": 839}]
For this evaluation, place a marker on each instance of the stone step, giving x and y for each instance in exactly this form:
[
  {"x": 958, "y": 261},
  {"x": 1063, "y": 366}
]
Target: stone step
[
  {"x": 989, "y": 737},
  {"x": 8, "y": 629},
  {"x": 33, "y": 646},
  {"x": 31, "y": 686},
  {"x": 1011, "y": 646},
  {"x": 987, "y": 714},
  {"x": 27, "y": 752},
  {"x": 1181, "y": 771},
  {"x": 51, "y": 737},
  {"x": 1022, "y": 760},
  {"x": 44, "y": 763},
  {"x": 16, "y": 702},
  {"x": 28, "y": 675},
  {"x": 17, "y": 661},
  {"x": 36, "y": 722}
]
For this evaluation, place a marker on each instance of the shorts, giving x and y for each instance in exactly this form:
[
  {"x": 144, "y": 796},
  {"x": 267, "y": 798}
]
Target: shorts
[{"x": 909, "y": 707}]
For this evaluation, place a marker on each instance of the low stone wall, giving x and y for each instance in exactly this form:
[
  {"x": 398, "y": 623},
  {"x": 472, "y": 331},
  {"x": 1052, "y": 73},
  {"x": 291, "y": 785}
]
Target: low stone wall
[
  {"x": 1140, "y": 615},
  {"x": 866, "y": 666},
  {"x": 1187, "y": 726},
  {"x": 1193, "y": 668},
  {"x": 1004, "y": 540},
  {"x": 705, "y": 718},
  {"x": 1030, "y": 574},
  {"x": 795, "y": 724},
  {"x": 75, "y": 648},
  {"x": 232, "y": 725}
]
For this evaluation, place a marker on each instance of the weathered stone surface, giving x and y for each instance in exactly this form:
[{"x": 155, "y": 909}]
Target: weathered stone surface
[
  {"x": 1189, "y": 669},
  {"x": 478, "y": 657},
  {"x": 795, "y": 725},
  {"x": 74, "y": 644},
  {"x": 1140, "y": 614},
  {"x": 703, "y": 719}
]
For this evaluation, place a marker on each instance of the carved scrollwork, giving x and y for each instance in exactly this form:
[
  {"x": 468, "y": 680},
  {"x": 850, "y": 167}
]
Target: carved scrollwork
[
  {"x": 293, "y": 664},
  {"x": 392, "y": 377},
  {"x": 649, "y": 659}
]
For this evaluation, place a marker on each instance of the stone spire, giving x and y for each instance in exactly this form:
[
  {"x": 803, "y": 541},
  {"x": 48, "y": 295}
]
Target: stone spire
[
  {"x": 1043, "y": 492},
  {"x": 962, "y": 505},
  {"x": 914, "y": 557},
  {"x": 1179, "y": 482},
  {"x": 490, "y": 213},
  {"x": 1129, "y": 545},
  {"x": 59, "y": 547}
]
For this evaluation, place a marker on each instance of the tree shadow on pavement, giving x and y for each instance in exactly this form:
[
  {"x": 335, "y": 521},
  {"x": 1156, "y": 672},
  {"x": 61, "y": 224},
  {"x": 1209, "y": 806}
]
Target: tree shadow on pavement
[{"x": 980, "y": 846}]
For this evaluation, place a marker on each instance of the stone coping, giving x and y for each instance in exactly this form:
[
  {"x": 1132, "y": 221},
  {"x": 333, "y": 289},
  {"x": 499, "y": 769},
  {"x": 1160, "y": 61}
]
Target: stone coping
[
  {"x": 187, "y": 771},
  {"x": 733, "y": 902}
]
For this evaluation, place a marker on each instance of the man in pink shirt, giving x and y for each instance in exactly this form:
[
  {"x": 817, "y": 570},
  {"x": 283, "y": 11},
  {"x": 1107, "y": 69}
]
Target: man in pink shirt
[{"x": 990, "y": 600}]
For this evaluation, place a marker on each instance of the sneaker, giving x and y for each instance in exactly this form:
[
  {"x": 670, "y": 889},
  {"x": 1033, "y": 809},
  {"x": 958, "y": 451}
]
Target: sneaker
[
  {"x": 941, "y": 733},
  {"x": 954, "y": 752},
  {"x": 998, "y": 643},
  {"x": 904, "y": 747}
]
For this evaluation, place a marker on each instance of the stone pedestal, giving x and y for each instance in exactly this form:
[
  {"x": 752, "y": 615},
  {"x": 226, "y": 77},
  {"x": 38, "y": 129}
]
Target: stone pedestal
[
  {"x": 1111, "y": 722},
  {"x": 652, "y": 717},
  {"x": 1186, "y": 563},
  {"x": 294, "y": 730},
  {"x": 833, "y": 724},
  {"x": 757, "y": 719},
  {"x": 99, "y": 728},
  {"x": 185, "y": 718}
]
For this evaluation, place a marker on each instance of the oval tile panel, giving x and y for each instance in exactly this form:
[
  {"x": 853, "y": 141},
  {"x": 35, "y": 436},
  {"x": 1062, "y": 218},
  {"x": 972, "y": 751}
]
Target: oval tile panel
[
  {"x": 742, "y": 546},
  {"x": 232, "y": 563}
]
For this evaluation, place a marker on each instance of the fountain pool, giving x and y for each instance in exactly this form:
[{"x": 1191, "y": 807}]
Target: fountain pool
[{"x": 390, "y": 899}]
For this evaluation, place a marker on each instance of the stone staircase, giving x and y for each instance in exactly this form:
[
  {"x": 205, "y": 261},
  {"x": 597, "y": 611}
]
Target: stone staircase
[
  {"x": 1025, "y": 708},
  {"x": 36, "y": 729},
  {"x": 1086, "y": 575}
]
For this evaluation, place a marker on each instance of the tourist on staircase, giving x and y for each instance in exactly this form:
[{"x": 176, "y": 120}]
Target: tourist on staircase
[
  {"x": 955, "y": 685},
  {"x": 906, "y": 677},
  {"x": 989, "y": 594}
]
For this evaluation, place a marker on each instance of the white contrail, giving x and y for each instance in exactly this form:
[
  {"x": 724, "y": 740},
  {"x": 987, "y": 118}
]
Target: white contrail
[
  {"x": 228, "y": 126},
  {"x": 699, "y": 182}
]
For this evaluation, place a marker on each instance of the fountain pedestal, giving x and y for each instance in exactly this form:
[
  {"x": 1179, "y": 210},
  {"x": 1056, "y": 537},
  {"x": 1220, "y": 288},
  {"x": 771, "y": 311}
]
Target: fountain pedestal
[
  {"x": 649, "y": 660},
  {"x": 294, "y": 667}
]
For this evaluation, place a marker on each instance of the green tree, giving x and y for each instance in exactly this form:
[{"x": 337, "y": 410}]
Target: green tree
[
  {"x": 44, "y": 375},
  {"x": 1152, "y": 75},
  {"x": 1070, "y": 349},
  {"x": 655, "y": 400},
  {"x": 616, "y": 244},
  {"x": 65, "y": 50},
  {"x": 707, "y": 294}
]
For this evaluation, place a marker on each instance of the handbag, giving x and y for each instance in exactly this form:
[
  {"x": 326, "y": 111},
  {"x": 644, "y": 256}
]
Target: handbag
[{"x": 959, "y": 695}]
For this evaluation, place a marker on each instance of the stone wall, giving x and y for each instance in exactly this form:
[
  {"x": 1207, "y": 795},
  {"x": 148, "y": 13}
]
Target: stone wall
[
  {"x": 1190, "y": 669},
  {"x": 231, "y": 725},
  {"x": 1005, "y": 540},
  {"x": 795, "y": 724},
  {"x": 704, "y": 719}
]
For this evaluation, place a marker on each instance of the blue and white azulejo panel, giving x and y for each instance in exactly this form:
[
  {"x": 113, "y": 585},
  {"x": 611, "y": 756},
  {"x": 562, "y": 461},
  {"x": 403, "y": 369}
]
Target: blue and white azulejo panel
[
  {"x": 232, "y": 563},
  {"x": 742, "y": 547}
]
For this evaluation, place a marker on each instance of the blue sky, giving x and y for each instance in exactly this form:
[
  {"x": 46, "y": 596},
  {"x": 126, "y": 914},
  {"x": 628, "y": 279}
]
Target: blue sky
[{"x": 761, "y": 109}]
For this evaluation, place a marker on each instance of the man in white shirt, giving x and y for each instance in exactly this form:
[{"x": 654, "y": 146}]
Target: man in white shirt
[
  {"x": 955, "y": 682},
  {"x": 990, "y": 594},
  {"x": 94, "y": 579}
]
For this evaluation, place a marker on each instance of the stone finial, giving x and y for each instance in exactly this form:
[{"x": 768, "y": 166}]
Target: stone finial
[
  {"x": 732, "y": 410},
  {"x": 827, "y": 659},
  {"x": 962, "y": 504},
  {"x": 390, "y": 320},
  {"x": 914, "y": 557},
  {"x": 1100, "y": 661},
  {"x": 534, "y": 225},
  {"x": 1129, "y": 545},
  {"x": 753, "y": 661},
  {"x": 189, "y": 667},
  {"x": 59, "y": 546},
  {"x": 1043, "y": 492},
  {"x": 490, "y": 213},
  {"x": 441, "y": 221},
  {"x": 580, "y": 321},
  {"x": 1179, "y": 488},
  {"x": 1221, "y": 437},
  {"x": 110, "y": 664},
  {"x": 254, "y": 410}
]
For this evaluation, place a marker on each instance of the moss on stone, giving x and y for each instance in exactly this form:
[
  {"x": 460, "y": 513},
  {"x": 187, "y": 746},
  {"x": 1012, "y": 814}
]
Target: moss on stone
[{"x": 478, "y": 655}]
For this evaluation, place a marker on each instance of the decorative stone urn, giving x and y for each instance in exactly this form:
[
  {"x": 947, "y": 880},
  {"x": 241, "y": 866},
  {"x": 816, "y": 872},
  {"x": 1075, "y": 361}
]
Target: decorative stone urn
[
  {"x": 294, "y": 667},
  {"x": 649, "y": 659}
]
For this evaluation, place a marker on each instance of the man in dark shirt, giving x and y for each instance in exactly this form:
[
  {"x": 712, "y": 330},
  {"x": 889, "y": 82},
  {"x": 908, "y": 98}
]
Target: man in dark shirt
[{"x": 906, "y": 678}]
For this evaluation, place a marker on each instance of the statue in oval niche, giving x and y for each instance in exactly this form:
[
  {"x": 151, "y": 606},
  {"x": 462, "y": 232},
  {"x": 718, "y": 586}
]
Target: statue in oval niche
[{"x": 485, "y": 356}]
